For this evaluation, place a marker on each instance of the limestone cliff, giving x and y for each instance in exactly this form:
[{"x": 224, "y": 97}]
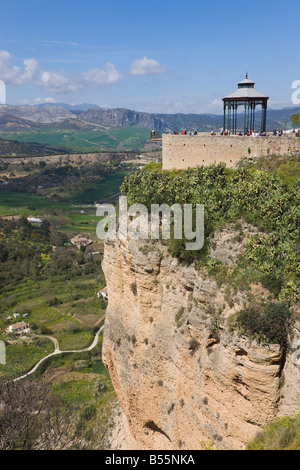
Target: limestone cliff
[{"x": 180, "y": 375}]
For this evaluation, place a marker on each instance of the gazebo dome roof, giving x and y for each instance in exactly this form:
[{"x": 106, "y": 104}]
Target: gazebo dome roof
[
  {"x": 246, "y": 82},
  {"x": 246, "y": 91}
]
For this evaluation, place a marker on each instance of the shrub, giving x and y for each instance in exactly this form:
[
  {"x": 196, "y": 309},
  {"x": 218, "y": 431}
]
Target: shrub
[
  {"x": 282, "y": 434},
  {"x": 45, "y": 330},
  {"x": 54, "y": 301},
  {"x": 268, "y": 324},
  {"x": 193, "y": 345},
  {"x": 178, "y": 317},
  {"x": 88, "y": 413},
  {"x": 273, "y": 283},
  {"x": 133, "y": 288},
  {"x": 133, "y": 339}
]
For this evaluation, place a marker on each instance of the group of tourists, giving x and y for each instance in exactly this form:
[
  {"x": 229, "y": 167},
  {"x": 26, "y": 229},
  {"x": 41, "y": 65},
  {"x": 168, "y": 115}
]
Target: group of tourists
[
  {"x": 185, "y": 132},
  {"x": 247, "y": 132}
]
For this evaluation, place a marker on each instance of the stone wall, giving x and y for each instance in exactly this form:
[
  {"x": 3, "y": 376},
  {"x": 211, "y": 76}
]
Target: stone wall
[{"x": 183, "y": 151}]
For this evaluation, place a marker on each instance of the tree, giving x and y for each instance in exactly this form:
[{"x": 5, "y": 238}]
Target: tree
[
  {"x": 31, "y": 418},
  {"x": 295, "y": 119}
]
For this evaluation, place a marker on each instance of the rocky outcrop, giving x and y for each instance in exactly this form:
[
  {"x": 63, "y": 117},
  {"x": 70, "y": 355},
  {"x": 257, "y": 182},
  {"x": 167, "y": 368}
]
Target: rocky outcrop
[
  {"x": 47, "y": 115},
  {"x": 181, "y": 376},
  {"x": 122, "y": 118}
]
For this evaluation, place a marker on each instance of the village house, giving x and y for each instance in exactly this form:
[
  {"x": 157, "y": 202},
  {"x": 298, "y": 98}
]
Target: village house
[
  {"x": 18, "y": 328},
  {"x": 79, "y": 241},
  {"x": 103, "y": 293},
  {"x": 34, "y": 219}
]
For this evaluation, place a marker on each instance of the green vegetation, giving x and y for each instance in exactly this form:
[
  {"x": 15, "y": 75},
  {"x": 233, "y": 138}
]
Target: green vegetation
[
  {"x": 287, "y": 167},
  {"x": 261, "y": 198},
  {"x": 84, "y": 182},
  {"x": 75, "y": 401},
  {"x": 267, "y": 324},
  {"x": 46, "y": 280},
  {"x": 11, "y": 147},
  {"x": 295, "y": 119},
  {"x": 282, "y": 434},
  {"x": 52, "y": 291},
  {"x": 95, "y": 140}
]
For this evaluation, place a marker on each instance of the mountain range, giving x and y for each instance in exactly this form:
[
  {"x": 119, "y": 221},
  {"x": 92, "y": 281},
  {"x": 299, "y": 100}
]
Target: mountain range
[{"x": 61, "y": 114}]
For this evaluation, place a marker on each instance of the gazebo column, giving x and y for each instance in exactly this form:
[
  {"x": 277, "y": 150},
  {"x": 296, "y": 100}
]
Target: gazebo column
[
  {"x": 248, "y": 117},
  {"x": 253, "y": 127},
  {"x": 224, "y": 118},
  {"x": 228, "y": 118},
  {"x": 235, "y": 114},
  {"x": 264, "y": 116}
]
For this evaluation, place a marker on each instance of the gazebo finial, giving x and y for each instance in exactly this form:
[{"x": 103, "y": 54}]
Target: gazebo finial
[{"x": 246, "y": 74}]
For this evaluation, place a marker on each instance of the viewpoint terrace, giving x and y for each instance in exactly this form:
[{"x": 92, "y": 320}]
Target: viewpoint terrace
[{"x": 231, "y": 144}]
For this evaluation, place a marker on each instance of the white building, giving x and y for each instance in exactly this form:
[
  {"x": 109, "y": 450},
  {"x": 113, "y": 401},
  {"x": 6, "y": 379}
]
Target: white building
[
  {"x": 18, "y": 328},
  {"x": 103, "y": 293}
]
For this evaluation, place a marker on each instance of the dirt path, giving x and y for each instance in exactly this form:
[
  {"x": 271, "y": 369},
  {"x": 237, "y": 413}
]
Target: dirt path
[{"x": 58, "y": 351}]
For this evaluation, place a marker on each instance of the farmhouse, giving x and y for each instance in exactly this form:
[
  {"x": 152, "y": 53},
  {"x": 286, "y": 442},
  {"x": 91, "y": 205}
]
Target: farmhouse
[
  {"x": 103, "y": 293},
  {"x": 79, "y": 241},
  {"x": 18, "y": 328},
  {"x": 36, "y": 220}
]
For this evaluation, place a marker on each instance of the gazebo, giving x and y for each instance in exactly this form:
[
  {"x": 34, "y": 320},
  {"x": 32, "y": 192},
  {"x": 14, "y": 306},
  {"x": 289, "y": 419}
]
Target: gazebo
[{"x": 246, "y": 96}]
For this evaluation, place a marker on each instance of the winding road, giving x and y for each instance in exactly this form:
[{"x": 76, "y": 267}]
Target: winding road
[{"x": 58, "y": 351}]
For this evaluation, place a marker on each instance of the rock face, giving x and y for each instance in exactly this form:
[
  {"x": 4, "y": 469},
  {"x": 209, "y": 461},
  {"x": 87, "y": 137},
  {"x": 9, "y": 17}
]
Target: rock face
[
  {"x": 47, "y": 115},
  {"x": 122, "y": 118},
  {"x": 181, "y": 377}
]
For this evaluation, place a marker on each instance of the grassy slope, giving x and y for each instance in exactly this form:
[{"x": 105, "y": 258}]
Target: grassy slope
[{"x": 83, "y": 141}]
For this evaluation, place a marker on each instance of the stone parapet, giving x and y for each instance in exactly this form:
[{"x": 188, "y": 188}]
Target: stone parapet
[{"x": 184, "y": 151}]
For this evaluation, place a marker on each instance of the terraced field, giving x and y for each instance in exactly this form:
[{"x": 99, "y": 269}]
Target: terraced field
[{"x": 84, "y": 141}]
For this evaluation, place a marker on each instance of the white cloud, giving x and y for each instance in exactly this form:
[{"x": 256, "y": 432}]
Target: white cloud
[
  {"x": 44, "y": 100},
  {"x": 55, "y": 81},
  {"x": 215, "y": 107},
  {"x": 180, "y": 104},
  {"x": 279, "y": 104},
  {"x": 98, "y": 77},
  {"x": 13, "y": 74},
  {"x": 59, "y": 82},
  {"x": 146, "y": 66},
  {"x": 30, "y": 68}
]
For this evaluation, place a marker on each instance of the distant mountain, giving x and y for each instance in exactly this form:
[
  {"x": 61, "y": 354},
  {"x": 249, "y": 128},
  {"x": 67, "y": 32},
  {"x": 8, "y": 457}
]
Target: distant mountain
[
  {"x": 48, "y": 114},
  {"x": 9, "y": 122},
  {"x": 121, "y": 117},
  {"x": 69, "y": 107},
  {"x": 84, "y": 114}
]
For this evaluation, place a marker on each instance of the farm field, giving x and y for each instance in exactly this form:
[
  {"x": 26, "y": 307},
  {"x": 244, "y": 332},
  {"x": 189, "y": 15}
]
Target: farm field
[
  {"x": 73, "y": 212},
  {"x": 46, "y": 280},
  {"x": 84, "y": 141}
]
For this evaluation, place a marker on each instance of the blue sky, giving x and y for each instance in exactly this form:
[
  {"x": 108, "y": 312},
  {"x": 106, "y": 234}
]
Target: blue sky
[{"x": 157, "y": 56}]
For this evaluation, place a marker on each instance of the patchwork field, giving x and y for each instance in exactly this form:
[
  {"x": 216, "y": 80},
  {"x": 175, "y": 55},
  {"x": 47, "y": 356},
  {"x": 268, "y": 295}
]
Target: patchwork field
[
  {"x": 84, "y": 141},
  {"x": 48, "y": 282}
]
